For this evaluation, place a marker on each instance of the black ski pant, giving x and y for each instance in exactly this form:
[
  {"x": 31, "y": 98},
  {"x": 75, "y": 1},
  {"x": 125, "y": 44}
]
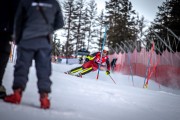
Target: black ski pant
[
  {"x": 40, "y": 50},
  {"x": 5, "y": 49}
]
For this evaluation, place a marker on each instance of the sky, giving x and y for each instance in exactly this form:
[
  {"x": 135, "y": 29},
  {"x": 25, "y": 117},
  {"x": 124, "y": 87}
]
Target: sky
[
  {"x": 86, "y": 98},
  {"x": 147, "y": 8}
]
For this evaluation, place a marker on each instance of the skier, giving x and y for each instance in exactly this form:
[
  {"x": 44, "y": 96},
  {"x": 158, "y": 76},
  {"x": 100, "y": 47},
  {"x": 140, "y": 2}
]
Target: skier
[
  {"x": 92, "y": 65},
  {"x": 7, "y": 13},
  {"x": 113, "y": 64},
  {"x": 35, "y": 21}
]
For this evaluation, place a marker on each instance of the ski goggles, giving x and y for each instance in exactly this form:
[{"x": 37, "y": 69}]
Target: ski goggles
[{"x": 104, "y": 51}]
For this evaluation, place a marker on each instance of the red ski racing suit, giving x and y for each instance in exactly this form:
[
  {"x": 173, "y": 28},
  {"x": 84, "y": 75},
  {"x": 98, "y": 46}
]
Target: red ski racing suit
[{"x": 94, "y": 63}]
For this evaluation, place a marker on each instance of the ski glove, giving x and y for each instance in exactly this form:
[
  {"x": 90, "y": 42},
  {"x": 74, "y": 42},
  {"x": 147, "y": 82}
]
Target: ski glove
[{"x": 107, "y": 72}]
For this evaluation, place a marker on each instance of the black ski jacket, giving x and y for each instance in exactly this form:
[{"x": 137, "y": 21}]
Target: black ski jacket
[
  {"x": 7, "y": 13},
  {"x": 30, "y": 23}
]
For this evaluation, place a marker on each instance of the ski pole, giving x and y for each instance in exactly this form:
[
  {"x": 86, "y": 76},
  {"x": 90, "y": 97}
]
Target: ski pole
[
  {"x": 130, "y": 68},
  {"x": 112, "y": 79}
]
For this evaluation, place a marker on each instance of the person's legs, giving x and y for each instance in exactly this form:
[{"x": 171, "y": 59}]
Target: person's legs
[
  {"x": 88, "y": 64},
  {"x": 85, "y": 71},
  {"x": 5, "y": 49},
  {"x": 81, "y": 68},
  {"x": 43, "y": 69},
  {"x": 86, "y": 68},
  {"x": 24, "y": 61},
  {"x": 4, "y": 57},
  {"x": 74, "y": 70}
]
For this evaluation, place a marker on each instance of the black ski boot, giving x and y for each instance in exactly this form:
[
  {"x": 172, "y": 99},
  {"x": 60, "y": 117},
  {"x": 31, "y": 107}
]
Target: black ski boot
[
  {"x": 2, "y": 92},
  {"x": 68, "y": 72},
  {"x": 79, "y": 75}
]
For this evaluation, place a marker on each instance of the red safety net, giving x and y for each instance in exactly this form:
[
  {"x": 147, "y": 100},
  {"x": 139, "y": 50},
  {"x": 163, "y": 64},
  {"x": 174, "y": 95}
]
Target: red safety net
[{"x": 164, "y": 69}]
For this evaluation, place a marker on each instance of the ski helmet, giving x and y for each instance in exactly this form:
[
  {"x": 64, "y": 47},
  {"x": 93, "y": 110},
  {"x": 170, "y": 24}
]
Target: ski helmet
[{"x": 105, "y": 50}]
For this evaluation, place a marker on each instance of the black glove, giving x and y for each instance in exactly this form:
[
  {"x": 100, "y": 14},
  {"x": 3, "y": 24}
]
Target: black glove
[{"x": 107, "y": 72}]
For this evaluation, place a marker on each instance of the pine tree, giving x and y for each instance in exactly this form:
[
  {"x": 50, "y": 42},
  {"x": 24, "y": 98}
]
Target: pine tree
[
  {"x": 168, "y": 16},
  {"x": 86, "y": 23},
  {"x": 100, "y": 20},
  {"x": 92, "y": 25},
  {"x": 78, "y": 24},
  {"x": 56, "y": 45},
  {"x": 140, "y": 25},
  {"x": 68, "y": 6},
  {"x": 122, "y": 25}
]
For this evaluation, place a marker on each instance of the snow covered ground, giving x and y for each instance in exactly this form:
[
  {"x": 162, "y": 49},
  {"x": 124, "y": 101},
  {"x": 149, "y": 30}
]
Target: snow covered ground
[{"x": 86, "y": 98}]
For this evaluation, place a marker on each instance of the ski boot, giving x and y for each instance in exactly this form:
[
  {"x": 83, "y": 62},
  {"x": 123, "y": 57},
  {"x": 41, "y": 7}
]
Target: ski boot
[
  {"x": 79, "y": 75},
  {"x": 2, "y": 92},
  {"x": 14, "y": 98},
  {"x": 68, "y": 72},
  {"x": 45, "y": 102}
]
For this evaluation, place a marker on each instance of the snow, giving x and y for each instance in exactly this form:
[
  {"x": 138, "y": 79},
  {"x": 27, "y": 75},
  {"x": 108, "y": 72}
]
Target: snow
[{"x": 86, "y": 98}]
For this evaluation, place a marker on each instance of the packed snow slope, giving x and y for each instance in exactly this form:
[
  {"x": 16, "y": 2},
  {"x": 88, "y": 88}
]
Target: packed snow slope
[{"x": 86, "y": 98}]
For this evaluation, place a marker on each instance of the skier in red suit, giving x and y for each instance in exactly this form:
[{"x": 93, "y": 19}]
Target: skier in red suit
[{"x": 92, "y": 65}]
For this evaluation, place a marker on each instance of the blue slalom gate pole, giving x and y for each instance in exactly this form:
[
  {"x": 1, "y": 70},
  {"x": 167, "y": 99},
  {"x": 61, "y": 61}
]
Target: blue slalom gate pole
[
  {"x": 130, "y": 67},
  {"x": 102, "y": 50}
]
